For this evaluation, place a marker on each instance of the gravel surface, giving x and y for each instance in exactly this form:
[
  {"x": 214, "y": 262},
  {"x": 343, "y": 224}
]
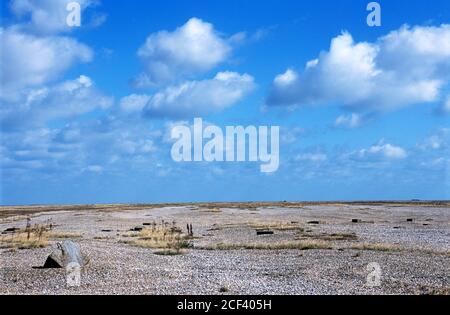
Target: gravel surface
[{"x": 414, "y": 257}]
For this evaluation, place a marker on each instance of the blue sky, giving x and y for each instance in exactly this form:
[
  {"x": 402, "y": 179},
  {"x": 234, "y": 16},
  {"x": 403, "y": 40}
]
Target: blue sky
[{"x": 86, "y": 112}]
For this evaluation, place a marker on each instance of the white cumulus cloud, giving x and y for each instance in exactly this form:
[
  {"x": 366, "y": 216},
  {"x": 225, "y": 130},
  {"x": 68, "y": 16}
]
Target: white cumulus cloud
[
  {"x": 385, "y": 150},
  {"x": 134, "y": 102},
  {"x": 194, "y": 97},
  {"x": 64, "y": 100},
  {"x": 408, "y": 66},
  {"x": 29, "y": 61},
  {"x": 439, "y": 140},
  {"x": 193, "y": 48}
]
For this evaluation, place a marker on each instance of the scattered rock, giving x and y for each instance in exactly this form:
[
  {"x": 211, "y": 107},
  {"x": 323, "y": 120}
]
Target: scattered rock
[
  {"x": 11, "y": 230},
  {"x": 356, "y": 221},
  {"x": 224, "y": 289},
  {"x": 409, "y": 220},
  {"x": 137, "y": 229},
  {"x": 313, "y": 222},
  {"x": 264, "y": 232}
]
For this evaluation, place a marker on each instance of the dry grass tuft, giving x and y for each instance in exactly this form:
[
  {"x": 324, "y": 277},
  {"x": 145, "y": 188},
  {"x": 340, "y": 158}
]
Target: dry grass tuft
[
  {"x": 26, "y": 239},
  {"x": 329, "y": 237},
  {"x": 63, "y": 235},
  {"x": 100, "y": 238},
  {"x": 210, "y": 210},
  {"x": 170, "y": 239},
  {"x": 381, "y": 247},
  {"x": 36, "y": 236},
  {"x": 425, "y": 290},
  {"x": 340, "y": 237}
]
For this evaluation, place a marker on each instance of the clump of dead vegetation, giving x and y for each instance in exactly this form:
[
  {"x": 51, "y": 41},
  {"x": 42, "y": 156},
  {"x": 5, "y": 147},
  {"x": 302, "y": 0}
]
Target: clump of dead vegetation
[
  {"x": 381, "y": 247},
  {"x": 211, "y": 210},
  {"x": 100, "y": 238},
  {"x": 427, "y": 290},
  {"x": 33, "y": 236},
  {"x": 167, "y": 238}
]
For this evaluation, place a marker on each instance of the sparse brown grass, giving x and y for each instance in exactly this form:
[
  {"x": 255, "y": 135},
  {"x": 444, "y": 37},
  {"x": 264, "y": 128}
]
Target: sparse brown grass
[
  {"x": 209, "y": 210},
  {"x": 299, "y": 245},
  {"x": 99, "y": 238},
  {"x": 381, "y": 247},
  {"x": 339, "y": 237},
  {"x": 21, "y": 241},
  {"x": 33, "y": 238},
  {"x": 276, "y": 226},
  {"x": 170, "y": 239},
  {"x": 63, "y": 235},
  {"x": 129, "y": 234},
  {"x": 329, "y": 237},
  {"x": 37, "y": 236},
  {"x": 426, "y": 290}
]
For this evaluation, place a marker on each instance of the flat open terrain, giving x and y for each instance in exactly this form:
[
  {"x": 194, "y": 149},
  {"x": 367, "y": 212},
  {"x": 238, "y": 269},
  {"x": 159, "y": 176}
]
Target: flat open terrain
[{"x": 315, "y": 248}]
